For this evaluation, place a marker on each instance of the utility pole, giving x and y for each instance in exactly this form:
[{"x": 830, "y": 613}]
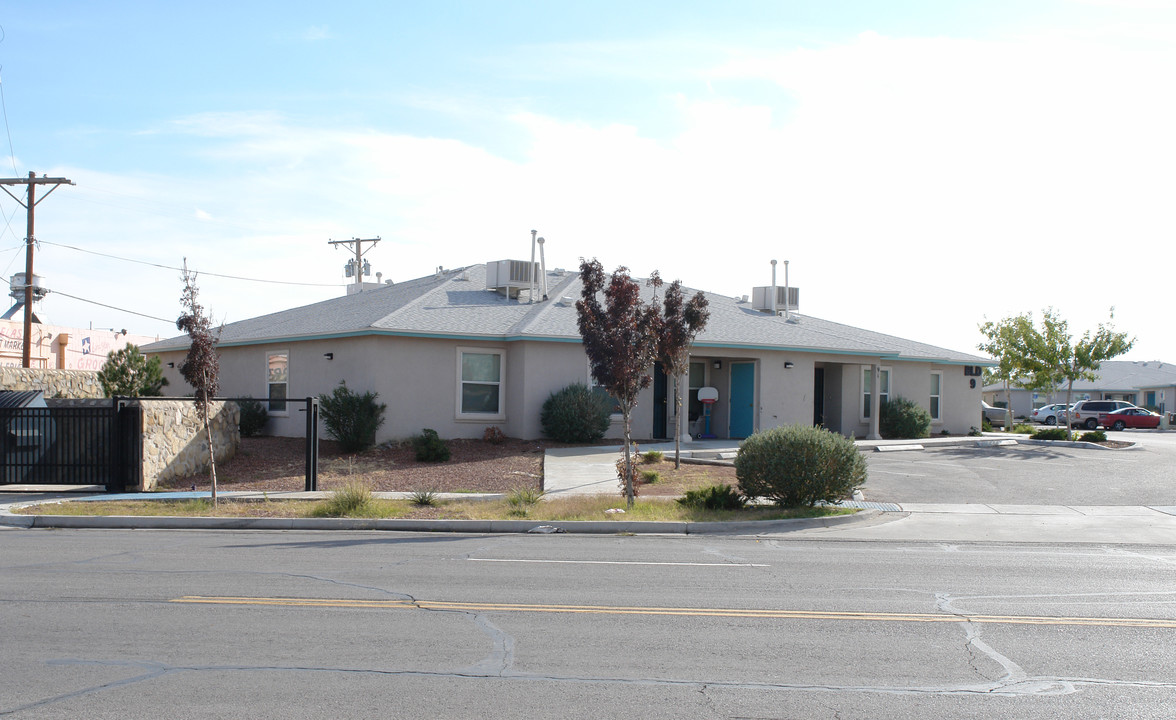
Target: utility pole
[
  {"x": 357, "y": 245},
  {"x": 32, "y": 181}
]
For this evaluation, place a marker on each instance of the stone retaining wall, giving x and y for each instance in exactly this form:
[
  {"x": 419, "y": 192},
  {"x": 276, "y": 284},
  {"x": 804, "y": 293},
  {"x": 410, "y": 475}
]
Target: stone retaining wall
[
  {"x": 174, "y": 443},
  {"x": 54, "y": 383}
]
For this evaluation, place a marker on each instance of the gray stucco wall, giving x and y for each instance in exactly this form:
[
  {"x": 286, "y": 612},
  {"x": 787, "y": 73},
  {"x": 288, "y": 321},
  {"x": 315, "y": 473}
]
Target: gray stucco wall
[{"x": 418, "y": 380}]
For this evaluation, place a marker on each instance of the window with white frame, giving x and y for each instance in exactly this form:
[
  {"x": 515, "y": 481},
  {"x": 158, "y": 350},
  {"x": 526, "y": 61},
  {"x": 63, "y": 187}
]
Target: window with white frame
[
  {"x": 479, "y": 379},
  {"x": 936, "y": 395},
  {"x": 277, "y": 380},
  {"x": 868, "y": 390}
]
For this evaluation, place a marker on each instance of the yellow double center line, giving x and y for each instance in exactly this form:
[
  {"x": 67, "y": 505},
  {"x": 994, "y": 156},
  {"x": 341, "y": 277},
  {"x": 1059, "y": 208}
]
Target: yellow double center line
[{"x": 685, "y": 612}]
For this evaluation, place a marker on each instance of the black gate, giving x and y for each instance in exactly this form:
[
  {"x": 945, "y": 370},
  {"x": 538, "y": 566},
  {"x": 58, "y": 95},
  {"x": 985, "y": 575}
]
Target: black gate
[{"x": 72, "y": 446}]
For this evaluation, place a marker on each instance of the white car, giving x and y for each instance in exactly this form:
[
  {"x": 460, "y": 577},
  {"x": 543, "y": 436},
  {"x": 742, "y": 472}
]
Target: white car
[{"x": 1048, "y": 414}]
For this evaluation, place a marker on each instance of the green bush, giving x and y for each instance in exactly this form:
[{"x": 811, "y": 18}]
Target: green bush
[
  {"x": 713, "y": 497},
  {"x": 430, "y": 447},
  {"x": 523, "y": 496},
  {"x": 652, "y": 456},
  {"x": 424, "y": 498},
  {"x": 352, "y": 418},
  {"x": 1049, "y": 434},
  {"x": 253, "y": 416},
  {"x": 799, "y": 465},
  {"x": 576, "y": 414},
  {"x": 985, "y": 424},
  {"x": 901, "y": 419},
  {"x": 1024, "y": 429},
  {"x": 354, "y": 498},
  {"x": 650, "y": 476},
  {"x": 1094, "y": 436}
]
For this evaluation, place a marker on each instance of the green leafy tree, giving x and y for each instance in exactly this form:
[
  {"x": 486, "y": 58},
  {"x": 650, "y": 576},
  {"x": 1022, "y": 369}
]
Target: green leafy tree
[
  {"x": 129, "y": 373},
  {"x": 201, "y": 366},
  {"x": 620, "y": 342},
  {"x": 1008, "y": 345},
  {"x": 680, "y": 322},
  {"x": 1051, "y": 357}
]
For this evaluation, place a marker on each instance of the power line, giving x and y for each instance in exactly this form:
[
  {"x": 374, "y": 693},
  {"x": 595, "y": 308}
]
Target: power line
[
  {"x": 169, "y": 267},
  {"x": 94, "y": 302}
]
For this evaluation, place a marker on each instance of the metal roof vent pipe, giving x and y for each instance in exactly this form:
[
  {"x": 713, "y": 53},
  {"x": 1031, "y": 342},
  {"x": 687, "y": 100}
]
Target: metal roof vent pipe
[{"x": 542, "y": 266}]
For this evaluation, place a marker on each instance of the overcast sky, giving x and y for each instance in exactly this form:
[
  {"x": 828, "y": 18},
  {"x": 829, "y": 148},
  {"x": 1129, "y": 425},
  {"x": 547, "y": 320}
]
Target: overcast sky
[{"x": 923, "y": 165}]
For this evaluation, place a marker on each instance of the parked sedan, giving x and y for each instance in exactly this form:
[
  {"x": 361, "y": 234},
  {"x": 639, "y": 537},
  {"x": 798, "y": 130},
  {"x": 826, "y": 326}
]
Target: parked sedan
[
  {"x": 1132, "y": 417},
  {"x": 1047, "y": 414},
  {"x": 994, "y": 415}
]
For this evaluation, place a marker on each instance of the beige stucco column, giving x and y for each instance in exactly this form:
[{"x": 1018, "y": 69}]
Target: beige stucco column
[
  {"x": 875, "y": 401},
  {"x": 683, "y": 415}
]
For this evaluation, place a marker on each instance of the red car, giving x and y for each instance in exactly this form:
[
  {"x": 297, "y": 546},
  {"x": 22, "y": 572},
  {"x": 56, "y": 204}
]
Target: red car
[{"x": 1132, "y": 417}]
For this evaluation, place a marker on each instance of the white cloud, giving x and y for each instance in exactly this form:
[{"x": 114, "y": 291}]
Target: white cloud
[{"x": 917, "y": 186}]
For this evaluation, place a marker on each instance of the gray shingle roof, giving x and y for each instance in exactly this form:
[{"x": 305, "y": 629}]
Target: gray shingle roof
[{"x": 449, "y": 305}]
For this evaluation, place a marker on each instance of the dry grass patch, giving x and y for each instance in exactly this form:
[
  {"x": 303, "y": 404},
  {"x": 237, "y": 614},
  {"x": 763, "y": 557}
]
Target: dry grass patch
[{"x": 562, "y": 509}]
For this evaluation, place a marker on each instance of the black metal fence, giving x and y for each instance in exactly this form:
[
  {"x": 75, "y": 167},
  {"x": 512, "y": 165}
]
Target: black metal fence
[
  {"x": 98, "y": 445},
  {"x": 72, "y": 446}
]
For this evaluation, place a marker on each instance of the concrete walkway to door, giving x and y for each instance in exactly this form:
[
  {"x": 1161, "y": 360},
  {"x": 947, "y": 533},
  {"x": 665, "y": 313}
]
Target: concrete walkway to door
[{"x": 592, "y": 470}]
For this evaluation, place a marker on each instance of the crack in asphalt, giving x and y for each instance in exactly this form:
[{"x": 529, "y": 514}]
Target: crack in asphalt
[{"x": 1023, "y": 686}]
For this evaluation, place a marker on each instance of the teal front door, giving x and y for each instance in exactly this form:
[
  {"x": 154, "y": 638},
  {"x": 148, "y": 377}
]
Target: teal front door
[{"x": 742, "y": 400}]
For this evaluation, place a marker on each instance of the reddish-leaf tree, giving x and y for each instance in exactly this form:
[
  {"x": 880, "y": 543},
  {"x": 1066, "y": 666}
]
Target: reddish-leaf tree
[
  {"x": 680, "y": 322},
  {"x": 202, "y": 365},
  {"x": 619, "y": 341}
]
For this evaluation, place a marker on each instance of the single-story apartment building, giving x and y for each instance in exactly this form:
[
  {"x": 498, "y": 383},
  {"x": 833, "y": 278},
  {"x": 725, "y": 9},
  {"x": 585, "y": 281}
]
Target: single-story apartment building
[
  {"x": 466, "y": 349},
  {"x": 1150, "y": 384}
]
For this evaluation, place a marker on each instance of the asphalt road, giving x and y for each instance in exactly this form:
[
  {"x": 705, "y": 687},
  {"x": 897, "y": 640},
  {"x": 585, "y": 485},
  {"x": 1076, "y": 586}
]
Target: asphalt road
[
  {"x": 145, "y": 624},
  {"x": 1029, "y": 474}
]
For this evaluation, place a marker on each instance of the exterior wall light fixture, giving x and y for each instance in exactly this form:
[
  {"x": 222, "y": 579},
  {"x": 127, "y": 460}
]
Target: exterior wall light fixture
[
  {"x": 718, "y": 364},
  {"x": 329, "y": 356},
  {"x": 788, "y": 365}
]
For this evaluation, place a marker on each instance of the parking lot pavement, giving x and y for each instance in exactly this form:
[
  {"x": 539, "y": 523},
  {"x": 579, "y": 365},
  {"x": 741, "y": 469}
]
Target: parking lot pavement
[{"x": 1027, "y": 475}]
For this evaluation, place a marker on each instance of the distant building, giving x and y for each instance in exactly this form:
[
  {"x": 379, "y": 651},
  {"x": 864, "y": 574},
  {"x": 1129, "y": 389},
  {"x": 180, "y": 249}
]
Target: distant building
[
  {"x": 63, "y": 348},
  {"x": 1150, "y": 384}
]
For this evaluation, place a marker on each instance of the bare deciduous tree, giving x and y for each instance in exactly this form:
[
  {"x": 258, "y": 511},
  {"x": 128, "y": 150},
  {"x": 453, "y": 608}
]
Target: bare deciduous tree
[{"x": 202, "y": 364}]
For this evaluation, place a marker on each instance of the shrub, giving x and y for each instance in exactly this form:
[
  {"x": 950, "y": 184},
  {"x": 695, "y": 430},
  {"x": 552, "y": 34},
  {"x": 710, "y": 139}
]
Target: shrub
[
  {"x": 1049, "y": 434},
  {"x": 1094, "y": 436},
  {"x": 253, "y": 417},
  {"x": 523, "y": 496},
  {"x": 652, "y": 456},
  {"x": 974, "y": 432},
  {"x": 352, "y": 418},
  {"x": 493, "y": 435},
  {"x": 576, "y": 414},
  {"x": 351, "y": 499},
  {"x": 423, "y": 498},
  {"x": 985, "y": 425},
  {"x": 901, "y": 419},
  {"x": 1024, "y": 429},
  {"x": 799, "y": 465},
  {"x": 713, "y": 497},
  {"x": 650, "y": 476},
  {"x": 430, "y": 447}
]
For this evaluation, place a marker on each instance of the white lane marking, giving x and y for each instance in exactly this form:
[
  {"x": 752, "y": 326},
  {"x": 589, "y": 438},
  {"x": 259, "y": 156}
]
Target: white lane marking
[
  {"x": 888, "y": 472},
  {"x": 617, "y": 562}
]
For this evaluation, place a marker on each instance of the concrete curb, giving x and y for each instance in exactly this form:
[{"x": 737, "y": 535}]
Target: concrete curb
[{"x": 479, "y": 527}]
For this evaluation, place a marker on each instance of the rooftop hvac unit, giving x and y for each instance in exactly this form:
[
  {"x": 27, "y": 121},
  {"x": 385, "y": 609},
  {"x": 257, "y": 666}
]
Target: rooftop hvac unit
[
  {"x": 510, "y": 276},
  {"x": 787, "y": 298}
]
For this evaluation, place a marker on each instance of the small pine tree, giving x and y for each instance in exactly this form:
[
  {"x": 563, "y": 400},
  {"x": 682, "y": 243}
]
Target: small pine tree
[{"x": 129, "y": 373}]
